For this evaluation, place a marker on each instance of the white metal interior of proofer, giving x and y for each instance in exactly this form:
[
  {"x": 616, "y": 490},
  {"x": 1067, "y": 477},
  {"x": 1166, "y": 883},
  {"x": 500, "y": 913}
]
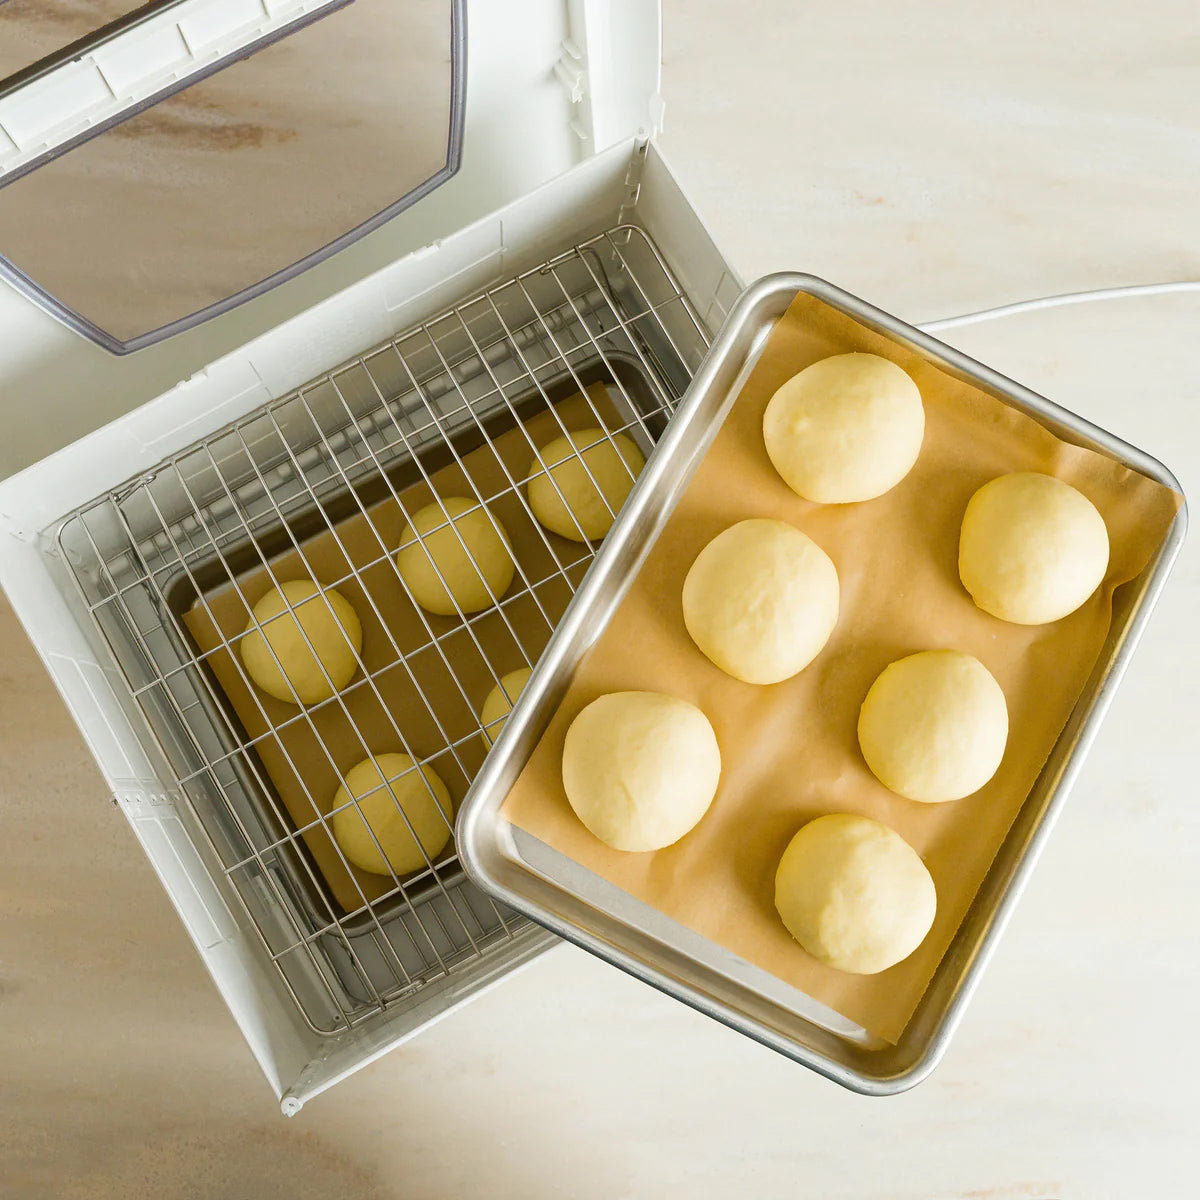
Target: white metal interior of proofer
[{"x": 595, "y": 195}]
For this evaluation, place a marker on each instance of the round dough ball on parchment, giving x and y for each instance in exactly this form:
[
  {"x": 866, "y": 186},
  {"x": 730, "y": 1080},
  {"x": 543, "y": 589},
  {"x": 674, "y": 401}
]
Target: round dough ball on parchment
[
  {"x": 845, "y": 429},
  {"x": 1032, "y": 548},
  {"x": 586, "y": 479},
  {"x": 420, "y": 793},
  {"x": 854, "y": 893},
  {"x": 462, "y": 560},
  {"x": 313, "y": 648},
  {"x": 500, "y": 701},
  {"x": 640, "y": 768},
  {"x": 934, "y": 726},
  {"x": 761, "y": 600}
]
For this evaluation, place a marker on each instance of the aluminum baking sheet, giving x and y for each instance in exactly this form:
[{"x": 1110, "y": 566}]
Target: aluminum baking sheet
[{"x": 576, "y": 903}]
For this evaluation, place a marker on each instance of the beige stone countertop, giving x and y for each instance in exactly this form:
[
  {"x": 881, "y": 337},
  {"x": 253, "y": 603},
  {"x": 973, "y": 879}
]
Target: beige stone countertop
[{"x": 933, "y": 158}]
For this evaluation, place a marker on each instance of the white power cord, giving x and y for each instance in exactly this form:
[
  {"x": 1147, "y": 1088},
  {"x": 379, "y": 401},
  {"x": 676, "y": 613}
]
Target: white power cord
[{"x": 1021, "y": 306}]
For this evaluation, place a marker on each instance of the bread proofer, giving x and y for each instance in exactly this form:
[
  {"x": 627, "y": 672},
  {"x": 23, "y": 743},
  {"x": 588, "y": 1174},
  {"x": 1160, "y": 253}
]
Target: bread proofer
[{"x": 524, "y": 241}]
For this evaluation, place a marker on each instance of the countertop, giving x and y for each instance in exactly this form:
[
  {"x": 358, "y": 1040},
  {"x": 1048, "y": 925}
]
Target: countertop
[{"x": 933, "y": 159}]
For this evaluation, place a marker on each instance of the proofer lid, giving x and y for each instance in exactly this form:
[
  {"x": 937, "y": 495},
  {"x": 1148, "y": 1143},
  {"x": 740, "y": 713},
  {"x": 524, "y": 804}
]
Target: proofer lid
[{"x": 197, "y": 153}]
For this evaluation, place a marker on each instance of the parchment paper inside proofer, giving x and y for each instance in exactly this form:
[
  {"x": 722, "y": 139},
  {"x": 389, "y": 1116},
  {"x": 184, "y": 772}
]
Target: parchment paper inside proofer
[
  {"x": 790, "y": 751},
  {"x": 433, "y": 695}
]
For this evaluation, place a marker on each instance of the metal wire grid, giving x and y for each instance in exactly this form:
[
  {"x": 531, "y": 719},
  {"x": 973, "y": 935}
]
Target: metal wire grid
[{"x": 608, "y": 310}]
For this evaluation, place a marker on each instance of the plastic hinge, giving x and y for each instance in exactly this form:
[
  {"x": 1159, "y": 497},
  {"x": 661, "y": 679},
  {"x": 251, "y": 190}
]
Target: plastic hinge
[
  {"x": 633, "y": 184},
  {"x": 570, "y": 71}
]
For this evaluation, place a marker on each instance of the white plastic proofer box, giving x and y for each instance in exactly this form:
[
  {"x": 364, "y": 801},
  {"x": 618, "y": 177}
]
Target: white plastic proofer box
[{"x": 561, "y": 253}]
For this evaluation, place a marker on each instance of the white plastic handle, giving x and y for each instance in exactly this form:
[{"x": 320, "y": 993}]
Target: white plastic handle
[{"x": 160, "y": 54}]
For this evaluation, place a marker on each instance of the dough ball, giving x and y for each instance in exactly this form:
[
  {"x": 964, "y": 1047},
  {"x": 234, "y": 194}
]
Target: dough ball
[
  {"x": 640, "y": 769},
  {"x": 316, "y": 635},
  {"x": 854, "y": 893},
  {"x": 761, "y": 600},
  {"x": 499, "y": 702},
  {"x": 566, "y": 499},
  {"x": 415, "y": 792},
  {"x": 933, "y": 726},
  {"x": 472, "y": 561},
  {"x": 846, "y": 428},
  {"x": 1032, "y": 549}
]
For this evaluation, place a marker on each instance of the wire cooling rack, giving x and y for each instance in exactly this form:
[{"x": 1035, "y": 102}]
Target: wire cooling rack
[{"x": 606, "y": 312}]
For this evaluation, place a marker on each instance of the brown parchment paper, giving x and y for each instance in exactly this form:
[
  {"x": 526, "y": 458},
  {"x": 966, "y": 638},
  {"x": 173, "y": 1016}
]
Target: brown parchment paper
[
  {"x": 790, "y": 751},
  {"x": 304, "y": 760}
]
